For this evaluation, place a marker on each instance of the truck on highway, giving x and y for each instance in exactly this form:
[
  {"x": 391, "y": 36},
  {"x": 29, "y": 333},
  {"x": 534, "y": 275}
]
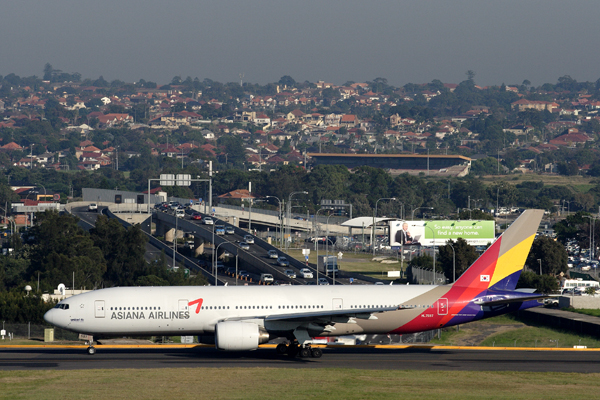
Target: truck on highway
[{"x": 328, "y": 265}]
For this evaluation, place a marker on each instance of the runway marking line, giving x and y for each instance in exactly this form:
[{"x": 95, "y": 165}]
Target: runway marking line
[{"x": 268, "y": 346}]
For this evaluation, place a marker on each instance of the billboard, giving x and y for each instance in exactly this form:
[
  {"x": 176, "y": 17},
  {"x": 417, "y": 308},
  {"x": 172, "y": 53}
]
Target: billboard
[{"x": 428, "y": 233}]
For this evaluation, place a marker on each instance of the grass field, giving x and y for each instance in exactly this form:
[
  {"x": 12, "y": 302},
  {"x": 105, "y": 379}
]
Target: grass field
[
  {"x": 507, "y": 331},
  {"x": 284, "y": 383},
  {"x": 361, "y": 263},
  {"x": 592, "y": 312}
]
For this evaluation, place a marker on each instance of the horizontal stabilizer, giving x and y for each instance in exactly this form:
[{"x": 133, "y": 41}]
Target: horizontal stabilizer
[{"x": 512, "y": 300}]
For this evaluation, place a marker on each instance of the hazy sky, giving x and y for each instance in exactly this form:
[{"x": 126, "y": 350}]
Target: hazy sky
[{"x": 332, "y": 40}]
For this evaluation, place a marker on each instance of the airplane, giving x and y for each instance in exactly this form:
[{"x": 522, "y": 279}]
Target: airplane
[{"x": 237, "y": 318}]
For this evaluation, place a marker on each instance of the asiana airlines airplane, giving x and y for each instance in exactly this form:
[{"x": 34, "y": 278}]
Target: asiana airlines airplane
[{"x": 238, "y": 318}]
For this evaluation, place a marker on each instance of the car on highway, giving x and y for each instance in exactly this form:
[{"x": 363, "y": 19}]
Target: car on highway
[
  {"x": 249, "y": 239},
  {"x": 290, "y": 273},
  {"x": 272, "y": 254},
  {"x": 243, "y": 274},
  {"x": 174, "y": 205},
  {"x": 219, "y": 229},
  {"x": 323, "y": 281},
  {"x": 230, "y": 230},
  {"x": 208, "y": 221},
  {"x": 306, "y": 273},
  {"x": 197, "y": 216},
  {"x": 244, "y": 246},
  {"x": 283, "y": 262},
  {"x": 93, "y": 207},
  {"x": 180, "y": 213},
  {"x": 220, "y": 266},
  {"x": 266, "y": 277}
]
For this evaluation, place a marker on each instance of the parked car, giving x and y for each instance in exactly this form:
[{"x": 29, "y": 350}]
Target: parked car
[
  {"x": 197, "y": 216},
  {"x": 208, "y": 221},
  {"x": 272, "y": 254},
  {"x": 306, "y": 273},
  {"x": 244, "y": 246},
  {"x": 249, "y": 239},
  {"x": 283, "y": 262},
  {"x": 290, "y": 273}
]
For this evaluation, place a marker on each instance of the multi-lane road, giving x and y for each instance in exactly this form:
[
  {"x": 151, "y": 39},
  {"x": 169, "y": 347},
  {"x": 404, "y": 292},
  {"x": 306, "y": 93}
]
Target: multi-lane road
[{"x": 260, "y": 262}]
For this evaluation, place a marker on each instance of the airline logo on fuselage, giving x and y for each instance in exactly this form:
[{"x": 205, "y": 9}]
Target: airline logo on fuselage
[{"x": 198, "y": 303}]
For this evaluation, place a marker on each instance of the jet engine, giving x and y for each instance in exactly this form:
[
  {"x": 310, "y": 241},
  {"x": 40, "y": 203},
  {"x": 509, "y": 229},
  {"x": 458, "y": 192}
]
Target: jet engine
[{"x": 238, "y": 335}]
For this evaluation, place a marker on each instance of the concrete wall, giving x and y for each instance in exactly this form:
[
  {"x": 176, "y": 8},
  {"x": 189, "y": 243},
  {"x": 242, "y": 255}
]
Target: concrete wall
[{"x": 583, "y": 302}]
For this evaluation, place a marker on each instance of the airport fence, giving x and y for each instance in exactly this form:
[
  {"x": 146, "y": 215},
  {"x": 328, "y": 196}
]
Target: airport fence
[
  {"x": 425, "y": 276},
  {"x": 35, "y": 331}
]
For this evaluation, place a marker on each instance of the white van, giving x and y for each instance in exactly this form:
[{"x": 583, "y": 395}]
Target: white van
[{"x": 266, "y": 277}]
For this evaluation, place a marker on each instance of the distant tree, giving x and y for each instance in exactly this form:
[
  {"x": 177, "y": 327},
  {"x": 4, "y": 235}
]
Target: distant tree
[
  {"x": 48, "y": 72},
  {"x": 123, "y": 250},
  {"x": 62, "y": 248},
  {"x": 287, "y": 80},
  {"x": 465, "y": 256},
  {"x": 552, "y": 254},
  {"x": 543, "y": 284}
]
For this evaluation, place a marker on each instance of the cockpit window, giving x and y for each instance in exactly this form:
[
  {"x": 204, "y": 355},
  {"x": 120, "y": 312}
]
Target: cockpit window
[{"x": 62, "y": 306}]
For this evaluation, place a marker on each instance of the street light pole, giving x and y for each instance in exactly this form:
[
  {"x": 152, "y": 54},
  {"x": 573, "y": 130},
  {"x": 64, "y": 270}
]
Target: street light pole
[
  {"x": 215, "y": 258},
  {"x": 289, "y": 212},
  {"x": 44, "y": 190},
  {"x": 317, "y": 239},
  {"x": 375, "y": 224},
  {"x": 415, "y": 209},
  {"x": 433, "y": 233},
  {"x": 540, "y": 261},
  {"x": 175, "y": 241},
  {"x": 453, "y": 262},
  {"x": 278, "y": 222}
]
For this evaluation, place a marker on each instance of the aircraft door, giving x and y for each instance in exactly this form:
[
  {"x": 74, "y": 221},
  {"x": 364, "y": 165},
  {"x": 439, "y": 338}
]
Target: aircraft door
[
  {"x": 337, "y": 304},
  {"x": 99, "y": 308},
  {"x": 183, "y": 305},
  {"x": 443, "y": 307}
]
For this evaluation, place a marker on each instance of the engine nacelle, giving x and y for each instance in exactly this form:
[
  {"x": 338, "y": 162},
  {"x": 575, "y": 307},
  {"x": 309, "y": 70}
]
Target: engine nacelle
[{"x": 238, "y": 335}]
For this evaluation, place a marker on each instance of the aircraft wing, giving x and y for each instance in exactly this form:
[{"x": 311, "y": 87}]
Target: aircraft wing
[
  {"x": 325, "y": 315},
  {"x": 360, "y": 313}
]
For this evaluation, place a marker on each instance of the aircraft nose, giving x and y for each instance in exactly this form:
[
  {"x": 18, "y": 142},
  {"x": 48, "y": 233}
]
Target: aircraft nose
[{"x": 48, "y": 316}]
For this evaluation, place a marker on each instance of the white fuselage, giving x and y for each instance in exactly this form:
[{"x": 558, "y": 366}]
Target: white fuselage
[{"x": 193, "y": 310}]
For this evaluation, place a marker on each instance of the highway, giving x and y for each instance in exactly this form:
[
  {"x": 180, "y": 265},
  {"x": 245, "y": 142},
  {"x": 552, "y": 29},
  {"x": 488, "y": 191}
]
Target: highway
[
  {"x": 411, "y": 358},
  {"x": 257, "y": 259}
]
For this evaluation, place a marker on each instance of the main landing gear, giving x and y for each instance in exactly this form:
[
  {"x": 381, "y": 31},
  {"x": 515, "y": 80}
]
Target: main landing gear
[{"x": 294, "y": 349}]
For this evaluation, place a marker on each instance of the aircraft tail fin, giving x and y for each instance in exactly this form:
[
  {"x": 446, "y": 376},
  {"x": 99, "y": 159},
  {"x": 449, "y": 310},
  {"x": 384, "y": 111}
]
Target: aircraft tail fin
[{"x": 500, "y": 266}]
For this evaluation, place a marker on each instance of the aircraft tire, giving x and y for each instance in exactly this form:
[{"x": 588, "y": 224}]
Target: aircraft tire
[
  {"x": 305, "y": 352},
  {"x": 281, "y": 348},
  {"x": 91, "y": 350},
  {"x": 316, "y": 353}
]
